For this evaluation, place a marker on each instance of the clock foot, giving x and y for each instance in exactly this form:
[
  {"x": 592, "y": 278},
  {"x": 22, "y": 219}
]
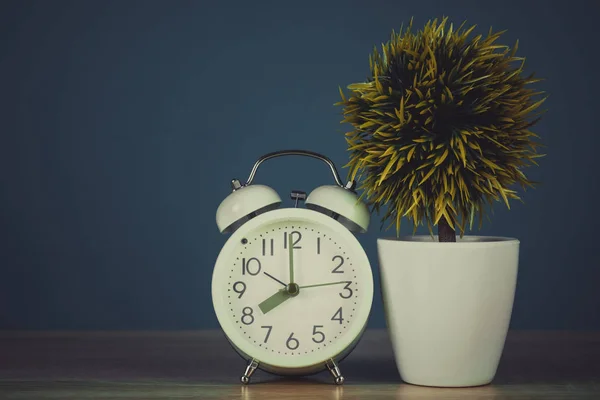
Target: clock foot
[
  {"x": 252, "y": 365},
  {"x": 335, "y": 372}
]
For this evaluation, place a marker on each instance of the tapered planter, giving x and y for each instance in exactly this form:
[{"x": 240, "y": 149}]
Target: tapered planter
[{"x": 448, "y": 306}]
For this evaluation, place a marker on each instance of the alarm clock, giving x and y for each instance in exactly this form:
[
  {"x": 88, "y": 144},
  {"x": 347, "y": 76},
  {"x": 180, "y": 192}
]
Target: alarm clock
[{"x": 292, "y": 288}]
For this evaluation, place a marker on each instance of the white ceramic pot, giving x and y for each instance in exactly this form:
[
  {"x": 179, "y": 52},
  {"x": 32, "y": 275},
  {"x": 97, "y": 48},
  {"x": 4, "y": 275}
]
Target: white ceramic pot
[{"x": 448, "y": 306}]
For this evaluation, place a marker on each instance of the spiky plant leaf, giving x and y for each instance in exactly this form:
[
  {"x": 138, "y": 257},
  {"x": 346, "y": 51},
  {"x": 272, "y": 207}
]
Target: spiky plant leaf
[{"x": 441, "y": 126}]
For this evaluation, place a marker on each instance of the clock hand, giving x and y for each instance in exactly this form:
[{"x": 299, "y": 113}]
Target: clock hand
[
  {"x": 275, "y": 279},
  {"x": 323, "y": 284},
  {"x": 275, "y": 300},
  {"x": 291, "y": 246}
]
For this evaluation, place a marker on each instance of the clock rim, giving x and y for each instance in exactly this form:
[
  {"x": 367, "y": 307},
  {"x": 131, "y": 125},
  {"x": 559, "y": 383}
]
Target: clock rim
[{"x": 308, "y": 362}]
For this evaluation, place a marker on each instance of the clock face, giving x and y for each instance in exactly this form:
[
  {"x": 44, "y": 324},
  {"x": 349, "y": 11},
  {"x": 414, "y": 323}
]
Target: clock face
[{"x": 293, "y": 288}]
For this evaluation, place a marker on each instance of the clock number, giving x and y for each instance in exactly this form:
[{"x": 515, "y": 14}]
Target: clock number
[
  {"x": 292, "y": 343},
  {"x": 247, "y": 266},
  {"x": 318, "y": 245},
  {"x": 316, "y": 332},
  {"x": 293, "y": 241},
  {"x": 247, "y": 317},
  {"x": 264, "y": 247},
  {"x": 350, "y": 292},
  {"x": 338, "y": 316},
  {"x": 268, "y": 328},
  {"x": 239, "y": 291},
  {"x": 337, "y": 269}
]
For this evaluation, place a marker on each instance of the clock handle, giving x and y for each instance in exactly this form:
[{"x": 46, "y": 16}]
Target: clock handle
[
  {"x": 339, "y": 201},
  {"x": 350, "y": 185}
]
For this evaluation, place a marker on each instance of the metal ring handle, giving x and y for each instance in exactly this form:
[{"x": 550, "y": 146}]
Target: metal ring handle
[{"x": 305, "y": 153}]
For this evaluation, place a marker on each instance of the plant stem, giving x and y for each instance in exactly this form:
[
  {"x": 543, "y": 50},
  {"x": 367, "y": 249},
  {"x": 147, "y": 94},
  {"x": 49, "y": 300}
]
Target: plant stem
[{"x": 445, "y": 232}]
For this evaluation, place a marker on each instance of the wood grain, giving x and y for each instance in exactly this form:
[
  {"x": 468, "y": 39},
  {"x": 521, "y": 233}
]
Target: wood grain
[{"x": 202, "y": 365}]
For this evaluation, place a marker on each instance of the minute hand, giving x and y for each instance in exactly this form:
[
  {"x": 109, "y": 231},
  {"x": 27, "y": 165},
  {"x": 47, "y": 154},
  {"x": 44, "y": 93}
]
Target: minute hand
[
  {"x": 323, "y": 284},
  {"x": 291, "y": 261}
]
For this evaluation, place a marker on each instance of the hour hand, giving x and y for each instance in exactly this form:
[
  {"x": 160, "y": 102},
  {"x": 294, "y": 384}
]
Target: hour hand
[{"x": 275, "y": 300}]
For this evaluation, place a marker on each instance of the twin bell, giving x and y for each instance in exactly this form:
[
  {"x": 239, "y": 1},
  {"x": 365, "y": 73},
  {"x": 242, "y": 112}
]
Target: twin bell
[{"x": 248, "y": 200}]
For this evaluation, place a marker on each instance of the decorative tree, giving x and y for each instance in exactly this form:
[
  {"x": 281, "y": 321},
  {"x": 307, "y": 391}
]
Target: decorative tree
[{"x": 441, "y": 127}]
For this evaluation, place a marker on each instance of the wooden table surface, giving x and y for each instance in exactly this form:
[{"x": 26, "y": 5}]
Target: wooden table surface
[{"x": 202, "y": 365}]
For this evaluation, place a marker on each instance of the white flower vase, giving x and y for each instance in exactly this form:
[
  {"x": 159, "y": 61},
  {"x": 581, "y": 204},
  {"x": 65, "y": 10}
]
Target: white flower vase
[{"x": 448, "y": 306}]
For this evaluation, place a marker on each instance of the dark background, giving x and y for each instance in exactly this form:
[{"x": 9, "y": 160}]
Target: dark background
[{"x": 122, "y": 122}]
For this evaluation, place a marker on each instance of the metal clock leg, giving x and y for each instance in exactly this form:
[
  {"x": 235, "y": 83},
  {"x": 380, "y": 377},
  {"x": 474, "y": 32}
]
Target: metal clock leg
[
  {"x": 335, "y": 371},
  {"x": 252, "y": 365}
]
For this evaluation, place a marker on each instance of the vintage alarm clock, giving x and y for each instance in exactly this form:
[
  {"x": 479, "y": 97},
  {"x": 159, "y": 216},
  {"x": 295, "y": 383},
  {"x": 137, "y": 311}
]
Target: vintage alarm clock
[{"x": 292, "y": 288}]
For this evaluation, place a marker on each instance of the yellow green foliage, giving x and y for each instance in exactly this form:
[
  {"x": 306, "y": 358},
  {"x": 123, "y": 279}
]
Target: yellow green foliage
[{"x": 442, "y": 125}]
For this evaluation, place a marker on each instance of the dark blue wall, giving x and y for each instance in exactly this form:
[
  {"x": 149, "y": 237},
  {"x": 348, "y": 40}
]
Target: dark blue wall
[{"x": 122, "y": 122}]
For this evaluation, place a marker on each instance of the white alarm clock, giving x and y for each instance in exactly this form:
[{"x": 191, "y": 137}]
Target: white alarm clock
[{"x": 292, "y": 288}]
